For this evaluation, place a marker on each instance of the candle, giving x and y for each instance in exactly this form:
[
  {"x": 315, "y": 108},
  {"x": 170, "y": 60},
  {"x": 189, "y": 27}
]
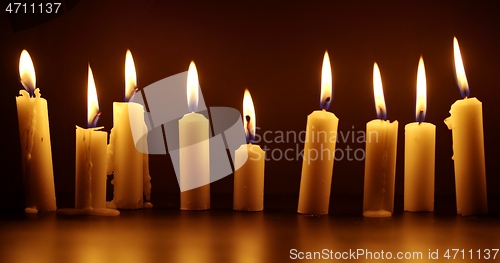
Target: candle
[
  {"x": 420, "y": 141},
  {"x": 380, "y": 162},
  {"x": 36, "y": 154},
  {"x": 249, "y": 165},
  {"x": 194, "y": 152},
  {"x": 466, "y": 124},
  {"x": 131, "y": 173},
  {"x": 90, "y": 190},
  {"x": 319, "y": 151}
]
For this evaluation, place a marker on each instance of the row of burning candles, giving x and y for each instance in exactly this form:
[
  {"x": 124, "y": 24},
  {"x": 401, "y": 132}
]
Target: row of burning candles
[{"x": 95, "y": 159}]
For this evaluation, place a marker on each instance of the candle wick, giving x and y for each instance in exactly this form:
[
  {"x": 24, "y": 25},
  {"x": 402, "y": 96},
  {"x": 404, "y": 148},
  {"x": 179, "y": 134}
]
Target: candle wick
[
  {"x": 249, "y": 136},
  {"x": 95, "y": 119}
]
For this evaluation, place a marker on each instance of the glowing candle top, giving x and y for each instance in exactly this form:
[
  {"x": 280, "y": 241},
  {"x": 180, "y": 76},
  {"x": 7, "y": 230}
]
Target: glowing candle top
[
  {"x": 130, "y": 76},
  {"x": 421, "y": 103},
  {"x": 378, "y": 93},
  {"x": 326, "y": 83},
  {"x": 92, "y": 102},
  {"x": 461, "y": 79},
  {"x": 27, "y": 72},
  {"x": 249, "y": 117},
  {"x": 192, "y": 88}
]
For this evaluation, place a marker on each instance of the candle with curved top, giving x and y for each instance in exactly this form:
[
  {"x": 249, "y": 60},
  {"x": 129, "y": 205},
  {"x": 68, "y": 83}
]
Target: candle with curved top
[
  {"x": 380, "y": 161},
  {"x": 319, "y": 151},
  {"x": 466, "y": 124}
]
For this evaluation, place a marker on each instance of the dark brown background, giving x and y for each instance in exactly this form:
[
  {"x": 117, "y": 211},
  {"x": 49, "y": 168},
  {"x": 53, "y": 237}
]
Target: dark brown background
[{"x": 276, "y": 51}]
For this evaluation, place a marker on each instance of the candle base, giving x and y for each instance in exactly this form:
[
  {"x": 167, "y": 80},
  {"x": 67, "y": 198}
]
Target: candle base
[
  {"x": 89, "y": 211},
  {"x": 377, "y": 213}
]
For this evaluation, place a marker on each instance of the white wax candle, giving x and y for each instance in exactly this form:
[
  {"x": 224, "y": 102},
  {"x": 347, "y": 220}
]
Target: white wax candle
[
  {"x": 124, "y": 158},
  {"x": 194, "y": 151},
  {"x": 130, "y": 166},
  {"x": 319, "y": 152},
  {"x": 420, "y": 141},
  {"x": 194, "y": 162},
  {"x": 380, "y": 161},
  {"x": 249, "y": 178},
  {"x": 90, "y": 191},
  {"x": 380, "y": 168},
  {"x": 249, "y": 166},
  {"x": 36, "y": 153},
  {"x": 466, "y": 124}
]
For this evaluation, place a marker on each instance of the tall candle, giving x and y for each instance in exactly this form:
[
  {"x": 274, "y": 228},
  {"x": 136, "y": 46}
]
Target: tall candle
[
  {"x": 90, "y": 191},
  {"x": 36, "y": 153},
  {"x": 420, "y": 141},
  {"x": 466, "y": 124},
  {"x": 131, "y": 174},
  {"x": 380, "y": 162},
  {"x": 319, "y": 151},
  {"x": 249, "y": 165},
  {"x": 194, "y": 152}
]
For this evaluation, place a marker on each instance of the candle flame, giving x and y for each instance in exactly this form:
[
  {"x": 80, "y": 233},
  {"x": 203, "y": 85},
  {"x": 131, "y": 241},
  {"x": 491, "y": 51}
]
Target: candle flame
[
  {"x": 421, "y": 105},
  {"x": 130, "y": 76},
  {"x": 27, "y": 72},
  {"x": 92, "y": 102},
  {"x": 192, "y": 87},
  {"x": 461, "y": 79},
  {"x": 378, "y": 93},
  {"x": 249, "y": 116},
  {"x": 326, "y": 83}
]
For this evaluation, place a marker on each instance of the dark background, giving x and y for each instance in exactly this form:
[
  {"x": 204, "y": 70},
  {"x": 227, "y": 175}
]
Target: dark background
[{"x": 276, "y": 51}]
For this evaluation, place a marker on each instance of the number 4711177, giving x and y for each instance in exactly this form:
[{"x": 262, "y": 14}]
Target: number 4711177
[{"x": 32, "y": 8}]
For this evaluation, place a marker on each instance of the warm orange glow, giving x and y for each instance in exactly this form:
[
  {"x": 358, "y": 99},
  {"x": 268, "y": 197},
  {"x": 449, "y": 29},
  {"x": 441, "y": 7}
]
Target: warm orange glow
[
  {"x": 92, "y": 102},
  {"x": 192, "y": 87},
  {"x": 248, "y": 115},
  {"x": 459, "y": 69},
  {"x": 130, "y": 76},
  {"x": 27, "y": 72},
  {"x": 378, "y": 93},
  {"x": 326, "y": 83},
  {"x": 421, "y": 106}
]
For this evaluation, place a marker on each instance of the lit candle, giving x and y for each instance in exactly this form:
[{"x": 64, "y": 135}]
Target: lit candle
[
  {"x": 319, "y": 151},
  {"x": 194, "y": 152},
  {"x": 420, "y": 141},
  {"x": 90, "y": 183},
  {"x": 32, "y": 114},
  {"x": 466, "y": 124},
  {"x": 249, "y": 165},
  {"x": 380, "y": 162},
  {"x": 131, "y": 173}
]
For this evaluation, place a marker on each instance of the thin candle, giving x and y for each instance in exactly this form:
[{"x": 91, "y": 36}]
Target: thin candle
[
  {"x": 36, "y": 153},
  {"x": 380, "y": 161},
  {"x": 466, "y": 124},
  {"x": 420, "y": 141},
  {"x": 319, "y": 151}
]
